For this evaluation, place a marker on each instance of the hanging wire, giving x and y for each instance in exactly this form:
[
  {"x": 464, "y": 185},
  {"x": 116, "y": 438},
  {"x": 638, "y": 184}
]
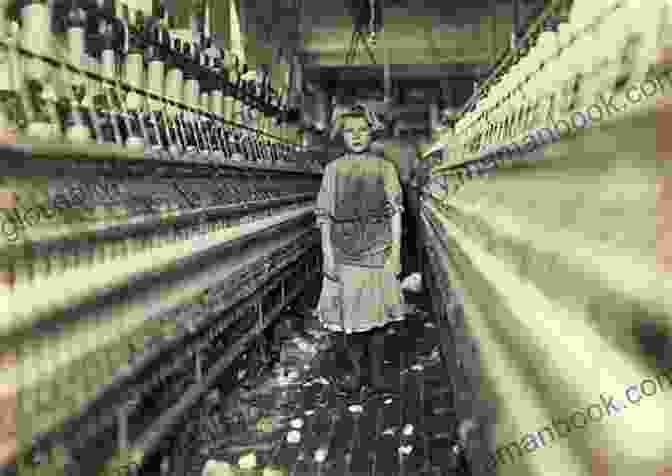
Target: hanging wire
[
  {"x": 372, "y": 6},
  {"x": 359, "y": 39}
]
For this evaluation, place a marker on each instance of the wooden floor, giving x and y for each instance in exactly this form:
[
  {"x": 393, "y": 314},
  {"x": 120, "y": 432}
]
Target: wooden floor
[{"x": 407, "y": 433}]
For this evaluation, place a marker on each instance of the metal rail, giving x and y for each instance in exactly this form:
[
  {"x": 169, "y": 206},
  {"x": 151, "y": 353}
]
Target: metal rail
[
  {"x": 115, "y": 392},
  {"x": 150, "y": 440},
  {"x": 52, "y": 321},
  {"x": 110, "y": 158},
  {"x": 152, "y": 225}
]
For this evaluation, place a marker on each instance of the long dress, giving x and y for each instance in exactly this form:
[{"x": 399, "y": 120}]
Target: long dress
[{"x": 360, "y": 194}]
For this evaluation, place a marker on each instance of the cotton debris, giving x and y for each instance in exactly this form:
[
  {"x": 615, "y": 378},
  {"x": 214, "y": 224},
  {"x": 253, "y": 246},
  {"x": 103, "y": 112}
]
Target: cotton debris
[
  {"x": 296, "y": 423},
  {"x": 274, "y": 471},
  {"x": 293, "y": 375},
  {"x": 218, "y": 468},
  {"x": 293, "y": 437},
  {"x": 405, "y": 450},
  {"x": 412, "y": 283},
  {"x": 320, "y": 455},
  {"x": 248, "y": 461}
]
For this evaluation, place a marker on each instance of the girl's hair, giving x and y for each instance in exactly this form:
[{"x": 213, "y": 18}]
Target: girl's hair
[{"x": 359, "y": 110}]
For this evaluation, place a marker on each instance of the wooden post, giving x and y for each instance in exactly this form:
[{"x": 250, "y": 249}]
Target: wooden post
[
  {"x": 387, "y": 75},
  {"x": 516, "y": 24},
  {"x": 199, "y": 366},
  {"x": 220, "y": 22},
  {"x": 122, "y": 428},
  {"x": 493, "y": 33}
]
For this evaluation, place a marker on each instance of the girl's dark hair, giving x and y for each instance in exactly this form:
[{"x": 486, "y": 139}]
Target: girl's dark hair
[{"x": 357, "y": 111}]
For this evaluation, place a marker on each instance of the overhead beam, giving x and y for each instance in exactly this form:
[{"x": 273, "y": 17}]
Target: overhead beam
[
  {"x": 417, "y": 39},
  {"x": 387, "y": 75},
  {"x": 396, "y": 71},
  {"x": 402, "y": 56}
]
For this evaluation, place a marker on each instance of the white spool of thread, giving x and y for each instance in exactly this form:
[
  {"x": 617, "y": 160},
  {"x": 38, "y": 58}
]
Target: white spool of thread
[
  {"x": 205, "y": 101},
  {"x": 191, "y": 92},
  {"x": 217, "y": 102},
  {"x": 36, "y": 37},
  {"x": 174, "y": 83},
  {"x": 155, "y": 75},
  {"x": 134, "y": 75},
  {"x": 109, "y": 64}
]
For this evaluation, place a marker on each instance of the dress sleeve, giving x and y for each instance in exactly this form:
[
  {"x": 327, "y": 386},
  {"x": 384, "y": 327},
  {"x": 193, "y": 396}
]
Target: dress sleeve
[
  {"x": 393, "y": 189},
  {"x": 325, "y": 197}
]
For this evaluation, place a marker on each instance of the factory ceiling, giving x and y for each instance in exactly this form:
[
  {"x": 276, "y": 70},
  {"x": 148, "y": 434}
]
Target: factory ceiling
[{"x": 424, "y": 41}]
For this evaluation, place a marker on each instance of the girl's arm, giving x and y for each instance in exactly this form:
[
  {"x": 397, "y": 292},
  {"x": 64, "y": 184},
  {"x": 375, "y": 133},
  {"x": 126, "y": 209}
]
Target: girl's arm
[
  {"x": 323, "y": 206},
  {"x": 327, "y": 247},
  {"x": 396, "y": 229},
  {"x": 394, "y": 196},
  {"x": 396, "y": 244}
]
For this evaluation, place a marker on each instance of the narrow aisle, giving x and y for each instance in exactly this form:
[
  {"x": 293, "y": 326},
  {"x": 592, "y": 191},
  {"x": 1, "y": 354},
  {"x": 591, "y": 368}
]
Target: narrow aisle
[{"x": 293, "y": 415}]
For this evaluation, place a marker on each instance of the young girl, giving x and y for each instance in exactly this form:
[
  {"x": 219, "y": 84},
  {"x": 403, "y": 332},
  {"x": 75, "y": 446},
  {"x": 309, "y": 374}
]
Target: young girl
[{"x": 359, "y": 210}]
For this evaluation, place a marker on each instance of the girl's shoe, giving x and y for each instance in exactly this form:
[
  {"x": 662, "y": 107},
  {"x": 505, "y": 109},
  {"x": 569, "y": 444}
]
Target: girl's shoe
[
  {"x": 352, "y": 383},
  {"x": 382, "y": 388}
]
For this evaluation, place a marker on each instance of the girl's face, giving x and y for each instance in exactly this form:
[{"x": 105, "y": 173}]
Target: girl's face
[{"x": 356, "y": 134}]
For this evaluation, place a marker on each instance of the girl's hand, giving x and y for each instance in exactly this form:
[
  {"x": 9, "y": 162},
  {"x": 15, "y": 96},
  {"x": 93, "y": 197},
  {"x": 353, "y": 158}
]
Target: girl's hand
[
  {"x": 329, "y": 265},
  {"x": 393, "y": 258}
]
